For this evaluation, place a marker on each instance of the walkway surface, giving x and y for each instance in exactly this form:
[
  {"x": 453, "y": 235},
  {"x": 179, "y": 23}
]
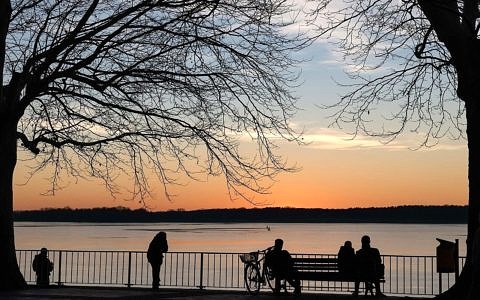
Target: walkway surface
[{"x": 78, "y": 293}]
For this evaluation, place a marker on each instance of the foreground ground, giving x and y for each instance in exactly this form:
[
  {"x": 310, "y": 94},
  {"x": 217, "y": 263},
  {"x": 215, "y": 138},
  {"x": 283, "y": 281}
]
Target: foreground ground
[{"x": 78, "y": 293}]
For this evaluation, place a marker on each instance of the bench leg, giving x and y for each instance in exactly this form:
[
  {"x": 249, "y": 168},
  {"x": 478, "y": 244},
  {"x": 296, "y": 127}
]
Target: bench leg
[
  {"x": 282, "y": 284},
  {"x": 368, "y": 288}
]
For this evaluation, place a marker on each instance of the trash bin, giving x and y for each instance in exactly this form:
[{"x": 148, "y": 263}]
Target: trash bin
[
  {"x": 447, "y": 256},
  {"x": 447, "y": 259}
]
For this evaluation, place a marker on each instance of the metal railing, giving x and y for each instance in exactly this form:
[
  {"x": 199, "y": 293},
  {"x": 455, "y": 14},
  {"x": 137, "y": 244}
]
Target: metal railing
[{"x": 404, "y": 275}]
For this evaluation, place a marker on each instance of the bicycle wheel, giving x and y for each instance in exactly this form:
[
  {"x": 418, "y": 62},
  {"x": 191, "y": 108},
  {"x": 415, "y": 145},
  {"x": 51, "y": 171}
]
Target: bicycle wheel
[
  {"x": 268, "y": 273},
  {"x": 253, "y": 280}
]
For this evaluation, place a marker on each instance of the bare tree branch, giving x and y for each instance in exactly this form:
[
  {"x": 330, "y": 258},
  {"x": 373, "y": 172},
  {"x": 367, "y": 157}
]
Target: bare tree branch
[{"x": 153, "y": 85}]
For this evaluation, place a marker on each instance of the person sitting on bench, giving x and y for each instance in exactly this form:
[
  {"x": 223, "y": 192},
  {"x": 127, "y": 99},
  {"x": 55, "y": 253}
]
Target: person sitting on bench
[
  {"x": 369, "y": 267},
  {"x": 281, "y": 264},
  {"x": 346, "y": 259}
]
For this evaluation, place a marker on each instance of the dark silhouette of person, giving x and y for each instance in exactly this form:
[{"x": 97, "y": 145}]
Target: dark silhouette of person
[
  {"x": 157, "y": 247},
  {"x": 42, "y": 267},
  {"x": 346, "y": 259},
  {"x": 369, "y": 267},
  {"x": 281, "y": 264}
]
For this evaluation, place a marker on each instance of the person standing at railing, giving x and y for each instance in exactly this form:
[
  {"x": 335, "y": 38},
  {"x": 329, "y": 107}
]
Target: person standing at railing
[
  {"x": 157, "y": 247},
  {"x": 42, "y": 267}
]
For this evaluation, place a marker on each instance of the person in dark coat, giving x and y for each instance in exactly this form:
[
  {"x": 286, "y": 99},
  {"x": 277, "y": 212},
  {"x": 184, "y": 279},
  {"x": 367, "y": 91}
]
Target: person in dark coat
[
  {"x": 369, "y": 267},
  {"x": 157, "y": 247},
  {"x": 281, "y": 264},
  {"x": 346, "y": 259},
  {"x": 42, "y": 267}
]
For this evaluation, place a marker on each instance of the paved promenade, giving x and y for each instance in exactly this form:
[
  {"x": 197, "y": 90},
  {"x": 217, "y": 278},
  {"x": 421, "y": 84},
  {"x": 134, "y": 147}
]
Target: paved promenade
[{"x": 78, "y": 293}]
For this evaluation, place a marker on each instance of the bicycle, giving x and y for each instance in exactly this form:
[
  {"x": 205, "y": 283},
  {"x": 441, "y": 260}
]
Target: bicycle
[{"x": 256, "y": 272}]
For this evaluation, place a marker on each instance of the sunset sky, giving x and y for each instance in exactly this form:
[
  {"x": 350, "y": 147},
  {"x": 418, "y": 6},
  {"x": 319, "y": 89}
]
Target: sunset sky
[{"x": 335, "y": 171}]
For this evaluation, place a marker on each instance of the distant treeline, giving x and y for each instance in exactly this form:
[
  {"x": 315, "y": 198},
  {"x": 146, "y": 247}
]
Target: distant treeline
[{"x": 399, "y": 214}]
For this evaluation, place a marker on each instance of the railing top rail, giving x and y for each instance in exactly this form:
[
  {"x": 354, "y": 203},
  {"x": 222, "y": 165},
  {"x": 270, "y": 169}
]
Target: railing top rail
[{"x": 214, "y": 252}]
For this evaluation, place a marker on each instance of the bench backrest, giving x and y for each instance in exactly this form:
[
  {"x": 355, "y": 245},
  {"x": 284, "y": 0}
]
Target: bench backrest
[
  {"x": 315, "y": 264},
  {"x": 307, "y": 267}
]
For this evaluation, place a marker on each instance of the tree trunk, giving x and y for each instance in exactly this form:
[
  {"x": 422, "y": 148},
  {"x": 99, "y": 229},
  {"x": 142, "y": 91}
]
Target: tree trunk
[
  {"x": 463, "y": 287},
  {"x": 5, "y": 13},
  {"x": 10, "y": 276},
  {"x": 473, "y": 133},
  {"x": 459, "y": 36}
]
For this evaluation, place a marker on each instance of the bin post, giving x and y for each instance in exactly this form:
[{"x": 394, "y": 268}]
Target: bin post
[
  {"x": 439, "y": 283},
  {"x": 457, "y": 272}
]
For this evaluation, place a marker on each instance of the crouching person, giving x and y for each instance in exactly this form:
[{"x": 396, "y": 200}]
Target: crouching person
[{"x": 42, "y": 267}]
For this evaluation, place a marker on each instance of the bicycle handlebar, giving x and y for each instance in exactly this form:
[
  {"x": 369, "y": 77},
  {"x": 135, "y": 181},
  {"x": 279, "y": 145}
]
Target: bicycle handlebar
[{"x": 264, "y": 250}]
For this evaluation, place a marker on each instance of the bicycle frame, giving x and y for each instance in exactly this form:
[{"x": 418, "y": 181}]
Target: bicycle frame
[{"x": 256, "y": 272}]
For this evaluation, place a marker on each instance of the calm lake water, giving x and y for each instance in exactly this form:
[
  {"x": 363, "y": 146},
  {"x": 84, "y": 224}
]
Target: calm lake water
[{"x": 393, "y": 239}]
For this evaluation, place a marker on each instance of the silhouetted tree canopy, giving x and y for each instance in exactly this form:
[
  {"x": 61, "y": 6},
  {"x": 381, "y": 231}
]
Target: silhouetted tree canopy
[
  {"x": 415, "y": 64},
  {"x": 107, "y": 87},
  {"x": 114, "y": 86}
]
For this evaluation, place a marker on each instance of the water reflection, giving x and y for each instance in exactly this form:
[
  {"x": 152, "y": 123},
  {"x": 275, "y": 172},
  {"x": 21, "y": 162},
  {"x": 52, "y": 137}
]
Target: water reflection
[{"x": 404, "y": 239}]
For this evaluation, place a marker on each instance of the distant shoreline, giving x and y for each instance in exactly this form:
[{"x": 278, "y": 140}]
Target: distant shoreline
[{"x": 414, "y": 214}]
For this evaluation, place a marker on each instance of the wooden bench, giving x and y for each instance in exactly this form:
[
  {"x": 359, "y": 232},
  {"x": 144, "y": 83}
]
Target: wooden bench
[{"x": 325, "y": 269}]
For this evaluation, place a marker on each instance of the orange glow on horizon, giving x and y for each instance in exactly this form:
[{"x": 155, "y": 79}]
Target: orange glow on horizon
[{"x": 328, "y": 179}]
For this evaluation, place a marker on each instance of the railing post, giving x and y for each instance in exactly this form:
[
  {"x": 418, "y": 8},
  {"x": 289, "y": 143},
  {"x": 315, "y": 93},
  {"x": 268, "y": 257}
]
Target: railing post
[
  {"x": 59, "y": 281},
  {"x": 201, "y": 271},
  {"x": 129, "y": 269}
]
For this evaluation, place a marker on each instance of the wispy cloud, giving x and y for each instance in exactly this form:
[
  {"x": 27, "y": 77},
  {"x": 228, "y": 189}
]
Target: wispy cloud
[
  {"x": 331, "y": 139},
  {"x": 334, "y": 139}
]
